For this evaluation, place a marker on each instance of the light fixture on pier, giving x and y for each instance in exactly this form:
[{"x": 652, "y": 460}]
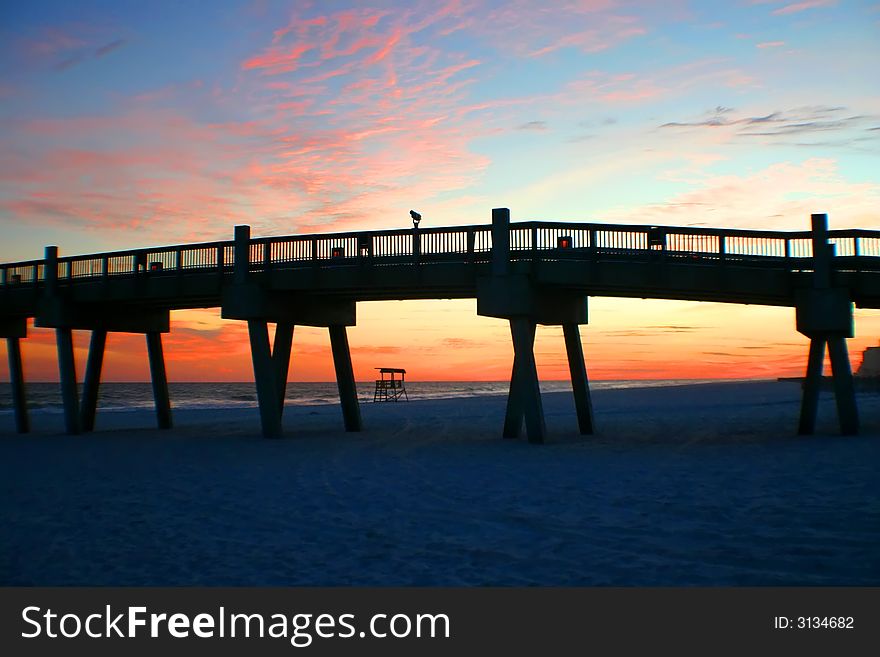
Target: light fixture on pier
[{"x": 416, "y": 217}]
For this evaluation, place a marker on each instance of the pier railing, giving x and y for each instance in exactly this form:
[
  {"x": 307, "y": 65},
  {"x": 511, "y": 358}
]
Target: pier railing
[{"x": 528, "y": 240}]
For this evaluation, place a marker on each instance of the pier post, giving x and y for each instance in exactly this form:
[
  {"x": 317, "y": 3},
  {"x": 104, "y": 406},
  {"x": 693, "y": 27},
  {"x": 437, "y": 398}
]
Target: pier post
[
  {"x": 241, "y": 252},
  {"x": 159, "y": 379},
  {"x": 844, "y": 387},
  {"x": 50, "y": 273},
  {"x": 811, "y": 387},
  {"x": 580, "y": 384},
  {"x": 351, "y": 412},
  {"x": 500, "y": 241},
  {"x": 67, "y": 377},
  {"x": 281, "y": 359},
  {"x": 513, "y": 415},
  {"x": 93, "y": 379},
  {"x": 264, "y": 377},
  {"x": 64, "y": 342},
  {"x": 16, "y": 378},
  {"x": 526, "y": 397}
]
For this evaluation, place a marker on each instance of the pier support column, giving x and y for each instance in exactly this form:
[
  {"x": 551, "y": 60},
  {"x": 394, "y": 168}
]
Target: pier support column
[
  {"x": 812, "y": 386},
  {"x": 580, "y": 385},
  {"x": 844, "y": 387},
  {"x": 824, "y": 313},
  {"x": 281, "y": 359},
  {"x": 512, "y": 290},
  {"x": 67, "y": 377},
  {"x": 513, "y": 416},
  {"x": 16, "y": 378},
  {"x": 351, "y": 412},
  {"x": 264, "y": 377},
  {"x": 159, "y": 379},
  {"x": 93, "y": 379},
  {"x": 524, "y": 399}
]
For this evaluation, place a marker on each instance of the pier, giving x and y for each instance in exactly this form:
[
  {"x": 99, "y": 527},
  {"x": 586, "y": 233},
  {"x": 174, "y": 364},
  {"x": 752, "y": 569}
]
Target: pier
[{"x": 526, "y": 273}]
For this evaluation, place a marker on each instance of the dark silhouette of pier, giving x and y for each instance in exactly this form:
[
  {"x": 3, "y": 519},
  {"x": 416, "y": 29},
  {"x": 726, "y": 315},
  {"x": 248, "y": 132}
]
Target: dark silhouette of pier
[{"x": 528, "y": 273}]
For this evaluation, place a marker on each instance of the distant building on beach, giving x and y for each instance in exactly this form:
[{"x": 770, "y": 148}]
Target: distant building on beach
[{"x": 870, "y": 366}]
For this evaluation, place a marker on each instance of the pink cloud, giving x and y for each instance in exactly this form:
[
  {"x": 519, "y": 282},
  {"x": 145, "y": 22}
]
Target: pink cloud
[
  {"x": 277, "y": 60},
  {"x": 54, "y": 41},
  {"x": 350, "y": 117},
  {"x": 770, "y": 44},
  {"x": 631, "y": 88},
  {"x": 803, "y": 6},
  {"x": 385, "y": 50},
  {"x": 613, "y": 32},
  {"x": 588, "y": 26}
]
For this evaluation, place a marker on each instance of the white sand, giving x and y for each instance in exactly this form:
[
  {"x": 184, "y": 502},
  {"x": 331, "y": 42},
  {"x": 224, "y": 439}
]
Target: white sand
[{"x": 692, "y": 485}]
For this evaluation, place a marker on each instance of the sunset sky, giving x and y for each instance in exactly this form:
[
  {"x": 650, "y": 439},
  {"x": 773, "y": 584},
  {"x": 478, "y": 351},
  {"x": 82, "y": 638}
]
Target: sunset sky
[{"x": 127, "y": 124}]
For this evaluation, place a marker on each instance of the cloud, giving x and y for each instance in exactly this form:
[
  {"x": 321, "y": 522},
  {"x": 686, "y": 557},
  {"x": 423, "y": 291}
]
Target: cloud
[
  {"x": 588, "y": 26},
  {"x": 532, "y": 125},
  {"x": 645, "y": 331},
  {"x": 50, "y": 42},
  {"x": 797, "y": 7},
  {"x": 770, "y": 44},
  {"x": 362, "y": 120},
  {"x": 277, "y": 60},
  {"x": 783, "y": 125},
  {"x": 778, "y": 197},
  {"x": 463, "y": 343},
  {"x": 630, "y": 88},
  {"x": 107, "y": 48},
  {"x": 69, "y": 62},
  {"x": 63, "y": 47}
]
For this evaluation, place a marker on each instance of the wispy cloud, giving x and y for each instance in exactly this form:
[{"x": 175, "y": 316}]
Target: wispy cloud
[
  {"x": 533, "y": 125},
  {"x": 783, "y": 124},
  {"x": 63, "y": 47},
  {"x": 107, "y": 48},
  {"x": 797, "y": 7},
  {"x": 781, "y": 196}
]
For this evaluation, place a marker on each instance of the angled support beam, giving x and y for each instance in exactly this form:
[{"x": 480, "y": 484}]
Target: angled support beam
[
  {"x": 67, "y": 377},
  {"x": 351, "y": 412},
  {"x": 513, "y": 415},
  {"x": 844, "y": 388},
  {"x": 264, "y": 376},
  {"x": 159, "y": 379},
  {"x": 93, "y": 379},
  {"x": 811, "y": 387},
  {"x": 525, "y": 397},
  {"x": 580, "y": 385},
  {"x": 281, "y": 359},
  {"x": 16, "y": 378}
]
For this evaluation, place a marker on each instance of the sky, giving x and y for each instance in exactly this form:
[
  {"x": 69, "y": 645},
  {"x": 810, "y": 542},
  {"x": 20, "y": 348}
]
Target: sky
[{"x": 128, "y": 124}]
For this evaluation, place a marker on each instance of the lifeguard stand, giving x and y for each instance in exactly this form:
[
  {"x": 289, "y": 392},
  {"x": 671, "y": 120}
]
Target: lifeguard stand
[{"x": 392, "y": 388}]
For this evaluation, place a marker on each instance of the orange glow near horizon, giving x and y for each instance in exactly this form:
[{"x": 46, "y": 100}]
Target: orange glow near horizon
[{"x": 447, "y": 341}]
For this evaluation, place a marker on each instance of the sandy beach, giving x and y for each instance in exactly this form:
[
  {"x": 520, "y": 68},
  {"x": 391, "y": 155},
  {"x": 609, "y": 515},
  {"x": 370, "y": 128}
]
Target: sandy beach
[{"x": 688, "y": 485}]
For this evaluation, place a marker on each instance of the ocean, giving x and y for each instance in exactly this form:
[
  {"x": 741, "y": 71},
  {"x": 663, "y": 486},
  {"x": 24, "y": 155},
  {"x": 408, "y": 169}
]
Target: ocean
[{"x": 135, "y": 396}]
